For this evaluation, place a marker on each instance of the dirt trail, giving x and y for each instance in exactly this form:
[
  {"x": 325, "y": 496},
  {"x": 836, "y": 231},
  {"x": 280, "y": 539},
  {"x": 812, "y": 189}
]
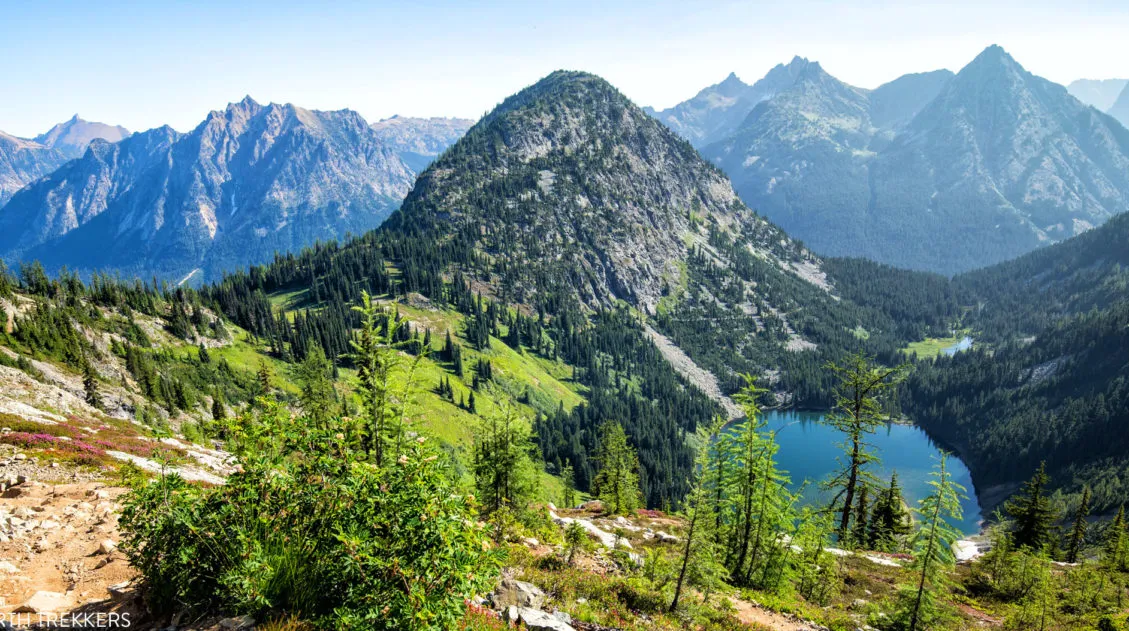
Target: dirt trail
[
  {"x": 60, "y": 539},
  {"x": 765, "y": 620}
]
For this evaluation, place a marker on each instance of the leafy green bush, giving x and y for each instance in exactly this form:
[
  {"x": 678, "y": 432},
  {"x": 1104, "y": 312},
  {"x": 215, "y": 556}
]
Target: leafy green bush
[{"x": 306, "y": 527}]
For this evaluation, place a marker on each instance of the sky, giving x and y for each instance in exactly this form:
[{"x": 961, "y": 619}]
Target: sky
[{"x": 145, "y": 64}]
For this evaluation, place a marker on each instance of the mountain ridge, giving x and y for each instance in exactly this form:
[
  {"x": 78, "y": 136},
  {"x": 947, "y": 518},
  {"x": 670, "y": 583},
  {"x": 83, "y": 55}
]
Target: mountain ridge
[
  {"x": 248, "y": 181},
  {"x": 995, "y": 164}
]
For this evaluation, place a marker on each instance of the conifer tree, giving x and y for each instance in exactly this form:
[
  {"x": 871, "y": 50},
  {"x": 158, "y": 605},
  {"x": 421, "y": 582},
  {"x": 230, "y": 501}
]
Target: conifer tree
[
  {"x": 1116, "y": 543},
  {"x": 314, "y": 377},
  {"x": 263, "y": 379},
  {"x": 1078, "y": 530},
  {"x": 1032, "y": 513},
  {"x": 862, "y": 507},
  {"x": 568, "y": 479},
  {"x": 377, "y": 360},
  {"x": 816, "y": 569},
  {"x": 617, "y": 482},
  {"x": 932, "y": 545},
  {"x": 698, "y": 547},
  {"x": 218, "y": 412},
  {"x": 504, "y": 472},
  {"x": 889, "y": 521},
  {"x": 857, "y": 413},
  {"x": 90, "y": 385}
]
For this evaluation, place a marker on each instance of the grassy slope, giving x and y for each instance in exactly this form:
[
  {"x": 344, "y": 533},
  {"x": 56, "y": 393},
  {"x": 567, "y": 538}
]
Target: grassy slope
[{"x": 516, "y": 374}]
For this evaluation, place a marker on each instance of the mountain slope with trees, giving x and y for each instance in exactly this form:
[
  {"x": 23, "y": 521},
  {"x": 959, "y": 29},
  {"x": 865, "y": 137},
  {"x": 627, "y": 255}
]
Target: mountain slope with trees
[{"x": 1048, "y": 378}]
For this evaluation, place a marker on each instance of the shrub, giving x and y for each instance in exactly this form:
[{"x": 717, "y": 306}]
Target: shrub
[{"x": 307, "y": 528}]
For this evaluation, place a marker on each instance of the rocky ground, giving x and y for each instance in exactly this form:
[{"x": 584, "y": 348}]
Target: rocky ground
[{"x": 58, "y": 538}]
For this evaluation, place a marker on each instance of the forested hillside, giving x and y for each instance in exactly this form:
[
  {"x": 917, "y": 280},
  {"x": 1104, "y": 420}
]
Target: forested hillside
[{"x": 1048, "y": 376}]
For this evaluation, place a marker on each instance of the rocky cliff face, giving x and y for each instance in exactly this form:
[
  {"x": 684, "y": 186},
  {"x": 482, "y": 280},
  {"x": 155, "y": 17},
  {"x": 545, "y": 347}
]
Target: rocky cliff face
[
  {"x": 22, "y": 162},
  {"x": 247, "y": 182}
]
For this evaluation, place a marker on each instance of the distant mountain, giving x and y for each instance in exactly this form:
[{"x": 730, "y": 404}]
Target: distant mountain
[
  {"x": 935, "y": 172},
  {"x": 1120, "y": 107},
  {"x": 248, "y": 181},
  {"x": 72, "y": 137},
  {"x": 719, "y": 109},
  {"x": 893, "y": 105},
  {"x": 420, "y": 140},
  {"x": 1099, "y": 93},
  {"x": 22, "y": 162}
]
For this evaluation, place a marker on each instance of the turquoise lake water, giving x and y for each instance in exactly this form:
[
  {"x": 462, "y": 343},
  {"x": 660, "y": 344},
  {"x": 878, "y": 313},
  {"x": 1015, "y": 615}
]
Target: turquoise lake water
[{"x": 809, "y": 448}]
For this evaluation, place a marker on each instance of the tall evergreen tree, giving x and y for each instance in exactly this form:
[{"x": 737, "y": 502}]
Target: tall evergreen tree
[
  {"x": 315, "y": 381},
  {"x": 90, "y": 385},
  {"x": 617, "y": 482},
  {"x": 568, "y": 479},
  {"x": 858, "y": 412},
  {"x": 504, "y": 472},
  {"x": 1115, "y": 551},
  {"x": 1032, "y": 513},
  {"x": 859, "y": 530},
  {"x": 1078, "y": 530},
  {"x": 889, "y": 520},
  {"x": 698, "y": 546},
  {"x": 932, "y": 545}
]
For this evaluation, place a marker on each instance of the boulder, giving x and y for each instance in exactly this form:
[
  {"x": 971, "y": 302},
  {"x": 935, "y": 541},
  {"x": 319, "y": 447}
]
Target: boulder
[
  {"x": 45, "y": 602},
  {"x": 537, "y": 620},
  {"x": 665, "y": 537},
  {"x": 107, "y": 546},
  {"x": 594, "y": 506},
  {"x": 512, "y": 593}
]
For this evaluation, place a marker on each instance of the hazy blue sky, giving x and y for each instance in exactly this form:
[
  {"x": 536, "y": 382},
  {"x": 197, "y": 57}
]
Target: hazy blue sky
[{"x": 143, "y": 64}]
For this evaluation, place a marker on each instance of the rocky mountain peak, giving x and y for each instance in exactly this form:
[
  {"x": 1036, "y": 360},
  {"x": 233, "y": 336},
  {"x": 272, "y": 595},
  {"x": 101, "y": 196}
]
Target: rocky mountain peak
[
  {"x": 592, "y": 197},
  {"x": 72, "y": 136}
]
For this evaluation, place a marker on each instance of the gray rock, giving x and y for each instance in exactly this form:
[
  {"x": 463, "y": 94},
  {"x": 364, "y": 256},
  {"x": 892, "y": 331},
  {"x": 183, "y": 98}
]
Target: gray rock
[
  {"x": 513, "y": 593},
  {"x": 537, "y": 620}
]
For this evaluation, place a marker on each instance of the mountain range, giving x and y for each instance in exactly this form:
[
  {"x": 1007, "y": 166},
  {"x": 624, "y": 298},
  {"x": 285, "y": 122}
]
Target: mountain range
[
  {"x": 23, "y": 161},
  {"x": 1099, "y": 93},
  {"x": 249, "y": 181},
  {"x": 933, "y": 171},
  {"x": 419, "y": 141}
]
